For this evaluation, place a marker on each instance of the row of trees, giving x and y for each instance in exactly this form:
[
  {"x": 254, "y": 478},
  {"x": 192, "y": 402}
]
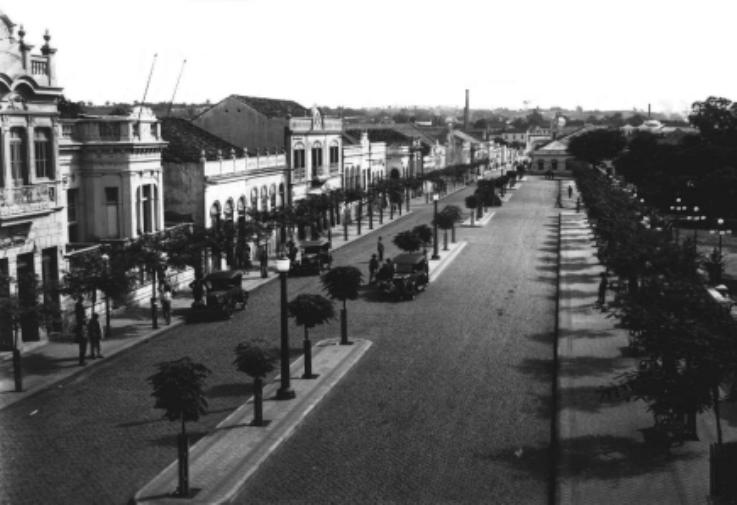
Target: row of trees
[
  {"x": 700, "y": 168},
  {"x": 179, "y": 385},
  {"x": 687, "y": 341}
]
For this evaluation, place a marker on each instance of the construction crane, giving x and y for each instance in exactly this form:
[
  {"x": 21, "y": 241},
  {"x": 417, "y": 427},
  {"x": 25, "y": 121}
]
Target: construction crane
[
  {"x": 145, "y": 93},
  {"x": 176, "y": 86}
]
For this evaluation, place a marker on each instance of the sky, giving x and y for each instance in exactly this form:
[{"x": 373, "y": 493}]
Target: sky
[{"x": 516, "y": 54}]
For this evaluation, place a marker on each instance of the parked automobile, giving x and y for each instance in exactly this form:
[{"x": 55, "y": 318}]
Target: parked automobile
[
  {"x": 224, "y": 293},
  {"x": 312, "y": 257},
  {"x": 410, "y": 276}
]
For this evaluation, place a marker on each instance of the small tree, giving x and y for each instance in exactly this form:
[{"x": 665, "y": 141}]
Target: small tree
[
  {"x": 309, "y": 311},
  {"x": 455, "y": 215},
  {"x": 445, "y": 220},
  {"x": 342, "y": 284},
  {"x": 408, "y": 241},
  {"x": 472, "y": 202},
  {"x": 424, "y": 232},
  {"x": 179, "y": 391},
  {"x": 257, "y": 360}
]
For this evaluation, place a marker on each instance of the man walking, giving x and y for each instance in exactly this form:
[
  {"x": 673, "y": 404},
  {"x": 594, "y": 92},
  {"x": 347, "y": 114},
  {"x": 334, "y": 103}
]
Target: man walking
[
  {"x": 570, "y": 191},
  {"x": 380, "y": 250},
  {"x": 81, "y": 335},
  {"x": 166, "y": 302},
  {"x": 373, "y": 267},
  {"x": 94, "y": 332}
]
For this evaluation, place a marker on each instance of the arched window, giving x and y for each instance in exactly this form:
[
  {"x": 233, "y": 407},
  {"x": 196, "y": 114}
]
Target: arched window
[
  {"x": 554, "y": 164},
  {"x": 254, "y": 199},
  {"x": 264, "y": 198},
  {"x": 18, "y": 166},
  {"x": 229, "y": 210},
  {"x": 282, "y": 196},
  {"x": 316, "y": 159},
  {"x": 272, "y": 196},
  {"x": 43, "y": 156},
  {"x": 298, "y": 156},
  {"x": 215, "y": 215},
  {"x": 242, "y": 206},
  {"x": 334, "y": 156}
]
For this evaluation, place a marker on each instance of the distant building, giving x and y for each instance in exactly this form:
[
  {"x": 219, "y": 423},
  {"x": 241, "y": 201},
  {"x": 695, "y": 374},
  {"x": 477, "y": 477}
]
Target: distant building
[
  {"x": 312, "y": 142},
  {"x": 33, "y": 217},
  {"x": 214, "y": 184},
  {"x": 363, "y": 161}
]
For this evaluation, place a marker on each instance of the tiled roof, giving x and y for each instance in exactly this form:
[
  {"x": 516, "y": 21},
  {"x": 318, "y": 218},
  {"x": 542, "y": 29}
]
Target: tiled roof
[
  {"x": 351, "y": 139},
  {"x": 271, "y": 107},
  {"x": 186, "y": 142}
]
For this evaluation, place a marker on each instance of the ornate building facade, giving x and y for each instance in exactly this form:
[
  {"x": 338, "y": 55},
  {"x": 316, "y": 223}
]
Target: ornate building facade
[{"x": 32, "y": 195}]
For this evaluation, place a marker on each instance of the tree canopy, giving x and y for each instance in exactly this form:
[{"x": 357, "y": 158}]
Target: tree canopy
[{"x": 597, "y": 145}]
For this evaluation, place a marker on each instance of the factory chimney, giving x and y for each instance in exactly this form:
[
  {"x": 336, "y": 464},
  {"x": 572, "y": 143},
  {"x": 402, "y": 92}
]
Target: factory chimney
[{"x": 465, "y": 114}]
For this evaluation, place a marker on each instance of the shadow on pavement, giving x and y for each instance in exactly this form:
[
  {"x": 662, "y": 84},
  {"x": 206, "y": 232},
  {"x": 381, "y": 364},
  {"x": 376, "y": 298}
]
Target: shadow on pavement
[
  {"x": 587, "y": 398},
  {"x": 244, "y": 389},
  {"x": 537, "y": 368},
  {"x": 587, "y": 333},
  {"x": 593, "y": 457},
  {"x": 593, "y": 366}
]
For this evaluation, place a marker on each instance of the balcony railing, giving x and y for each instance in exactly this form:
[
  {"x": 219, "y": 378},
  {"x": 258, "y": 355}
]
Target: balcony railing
[
  {"x": 334, "y": 167},
  {"x": 28, "y": 199}
]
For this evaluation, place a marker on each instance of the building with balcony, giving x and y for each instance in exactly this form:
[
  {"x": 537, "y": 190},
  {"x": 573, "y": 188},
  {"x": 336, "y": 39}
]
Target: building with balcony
[
  {"x": 214, "y": 184},
  {"x": 312, "y": 142},
  {"x": 111, "y": 166},
  {"x": 32, "y": 201}
]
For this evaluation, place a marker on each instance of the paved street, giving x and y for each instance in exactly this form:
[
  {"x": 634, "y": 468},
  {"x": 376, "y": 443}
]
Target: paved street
[
  {"x": 434, "y": 411},
  {"x": 454, "y": 384}
]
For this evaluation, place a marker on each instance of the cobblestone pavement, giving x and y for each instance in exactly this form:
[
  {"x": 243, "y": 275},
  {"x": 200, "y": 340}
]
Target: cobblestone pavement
[
  {"x": 95, "y": 438},
  {"x": 456, "y": 383}
]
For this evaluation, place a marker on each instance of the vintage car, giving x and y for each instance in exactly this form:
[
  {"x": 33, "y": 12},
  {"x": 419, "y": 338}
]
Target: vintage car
[
  {"x": 223, "y": 294},
  {"x": 312, "y": 258},
  {"x": 410, "y": 276}
]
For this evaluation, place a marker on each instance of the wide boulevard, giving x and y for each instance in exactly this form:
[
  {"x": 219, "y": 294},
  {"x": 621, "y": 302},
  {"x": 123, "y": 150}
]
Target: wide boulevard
[{"x": 450, "y": 405}]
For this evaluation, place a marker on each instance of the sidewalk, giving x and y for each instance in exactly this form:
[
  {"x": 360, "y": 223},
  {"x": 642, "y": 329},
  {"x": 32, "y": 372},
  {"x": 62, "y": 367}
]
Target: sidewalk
[
  {"x": 222, "y": 461},
  {"x": 602, "y": 455},
  {"x": 47, "y": 363}
]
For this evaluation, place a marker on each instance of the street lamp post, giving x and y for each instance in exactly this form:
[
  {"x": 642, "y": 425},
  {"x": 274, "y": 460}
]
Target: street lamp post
[
  {"x": 678, "y": 209},
  {"x": 696, "y": 218},
  {"x": 285, "y": 391},
  {"x": 106, "y": 261},
  {"x": 720, "y": 231},
  {"x": 435, "y": 254}
]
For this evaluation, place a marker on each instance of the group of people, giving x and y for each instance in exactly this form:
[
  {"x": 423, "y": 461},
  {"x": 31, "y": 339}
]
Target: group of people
[
  {"x": 85, "y": 331},
  {"x": 90, "y": 332},
  {"x": 379, "y": 269}
]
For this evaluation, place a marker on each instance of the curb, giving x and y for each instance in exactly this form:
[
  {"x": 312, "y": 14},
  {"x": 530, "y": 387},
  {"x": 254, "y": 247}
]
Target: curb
[
  {"x": 445, "y": 260},
  {"x": 255, "y": 444}
]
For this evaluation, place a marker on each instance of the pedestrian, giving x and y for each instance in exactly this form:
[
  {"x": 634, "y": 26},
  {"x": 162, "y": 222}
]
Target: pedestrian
[
  {"x": 373, "y": 267},
  {"x": 80, "y": 330},
  {"x": 570, "y": 191},
  {"x": 263, "y": 258},
  {"x": 578, "y": 204},
  {"x": 198, "y": 291},
  {"x": 380, "y": 249},
  {"x": 603, "y": 284},
  {"x": 94, "y": 333},
  {"x": 166, "y": 302}
]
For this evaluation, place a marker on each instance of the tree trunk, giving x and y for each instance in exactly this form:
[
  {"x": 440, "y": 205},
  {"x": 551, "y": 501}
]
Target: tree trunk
[
  {"x": 183, "y": 457},
  {"x": 258, "y": 401},
  {"x": 344, "y": 325},
  {"x": 717, "y": 414}
]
